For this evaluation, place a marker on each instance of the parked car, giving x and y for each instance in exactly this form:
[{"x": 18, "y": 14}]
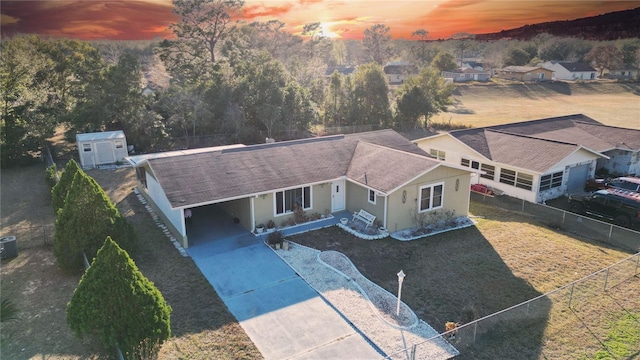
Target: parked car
[
  {"x": 625, "y": 183},
  {"x": 621, "y": 207}
]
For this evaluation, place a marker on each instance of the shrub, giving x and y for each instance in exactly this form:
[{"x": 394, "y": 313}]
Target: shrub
[
  {"x": 8, "y": 311},
  {"x": 275, "y": 238},
  {"x": 299, "y": 217},
  {"x": 59, "y": 191},
  {"x": 271, "y": 224},
  {"x": 87, "y": 217},
  {"x": 118, "y": 303},
  {"x": 51, "y": 176}
]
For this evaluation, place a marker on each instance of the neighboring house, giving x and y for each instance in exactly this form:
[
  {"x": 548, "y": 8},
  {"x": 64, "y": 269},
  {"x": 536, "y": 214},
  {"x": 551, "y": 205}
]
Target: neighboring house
[
  {"x": 524, "y": 73},
  {"x": 624, "y": 73},
  {"x": 398, "y": 71},
  {"x": 472, "y": 65},
  {"x": 343, "y": 70},
  {"x": 381, "y": 172},
  {"x": 563, "y": 70},
  {"x": 464, "y": 75},
  {"x": 620, "y": 146},
  {"x": 100, "y": 148},
  {"x": 540, "y": 159}
]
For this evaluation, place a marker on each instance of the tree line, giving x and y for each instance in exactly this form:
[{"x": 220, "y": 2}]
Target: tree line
[{"x": 243, "y": 81}]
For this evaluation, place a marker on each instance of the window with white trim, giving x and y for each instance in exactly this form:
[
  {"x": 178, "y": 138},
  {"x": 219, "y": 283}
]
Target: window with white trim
[
  {"x": 431, "y": 197},
  {"x": 118, "y": 144},
  {"x": 86, "y": 147},
  {"x": 489, "y": 171},
  {"x": 372, "y": 196},
  {"x": 551, "y": 181},
  {"x": 517, "y": 179},
  {"x": 470, "y": 163},
  {"x": 438, "y": 154},
  {"x": 287, "y": 200}
]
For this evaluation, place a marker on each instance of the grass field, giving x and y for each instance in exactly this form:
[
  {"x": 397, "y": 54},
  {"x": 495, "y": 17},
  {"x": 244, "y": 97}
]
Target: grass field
[
  {"x": 611, "y": 103},
  {"x": 506, "y": 259}
]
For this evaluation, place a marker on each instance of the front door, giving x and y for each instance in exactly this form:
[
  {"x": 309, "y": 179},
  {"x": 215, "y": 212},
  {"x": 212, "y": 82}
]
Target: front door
[{"x": 337, "y": 196}]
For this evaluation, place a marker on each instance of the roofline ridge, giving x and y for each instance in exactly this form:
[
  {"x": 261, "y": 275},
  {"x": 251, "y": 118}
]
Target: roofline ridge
[
  {"x": 531, "y": 137},
  {"x": 392, "y": 149}
]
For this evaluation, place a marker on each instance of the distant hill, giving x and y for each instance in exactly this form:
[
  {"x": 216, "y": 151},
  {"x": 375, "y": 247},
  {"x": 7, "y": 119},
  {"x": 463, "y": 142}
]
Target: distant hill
[{"x": 610, "y": 26}]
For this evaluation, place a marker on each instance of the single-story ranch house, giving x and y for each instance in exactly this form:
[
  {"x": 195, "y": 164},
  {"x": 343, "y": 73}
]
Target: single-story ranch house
[
  {"x": 380, "y": 172},
  {"x": 541, "y": 159}
]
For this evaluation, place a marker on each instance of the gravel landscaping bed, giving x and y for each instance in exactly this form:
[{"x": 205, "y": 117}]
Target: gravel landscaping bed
[{"x": 367, "y": 306}]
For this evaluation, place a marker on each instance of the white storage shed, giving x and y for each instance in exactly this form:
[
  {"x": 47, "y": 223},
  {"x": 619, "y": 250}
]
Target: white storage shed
[{"x": 101, "y": 148}]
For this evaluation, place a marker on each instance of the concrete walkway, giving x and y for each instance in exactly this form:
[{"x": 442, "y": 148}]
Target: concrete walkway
[{"x": 281, "y": 313}]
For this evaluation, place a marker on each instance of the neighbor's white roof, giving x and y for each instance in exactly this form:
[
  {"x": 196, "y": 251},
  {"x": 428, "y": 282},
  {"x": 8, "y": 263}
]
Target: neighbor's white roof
[
  {"x": 136, "y": 159},
  {"x": 105, "y": 135}
]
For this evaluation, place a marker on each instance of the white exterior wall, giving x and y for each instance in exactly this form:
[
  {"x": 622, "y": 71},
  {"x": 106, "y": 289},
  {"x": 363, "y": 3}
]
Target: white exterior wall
[
  {"x": 92, "y": 158},
  {"x": 174, "y": 216},
  {"x": 621, "y": 162},
  {"x": 455, "y": 151},
  {"x": 561, "y": 73}
]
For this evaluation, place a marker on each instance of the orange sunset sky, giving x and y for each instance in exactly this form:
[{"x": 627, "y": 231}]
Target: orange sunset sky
[{"x": 347, "y": 19}]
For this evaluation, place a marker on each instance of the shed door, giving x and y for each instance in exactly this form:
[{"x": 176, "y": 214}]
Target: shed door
[
  {"x": 104, "y": 153},
  {"x": 577, "y": 178}
]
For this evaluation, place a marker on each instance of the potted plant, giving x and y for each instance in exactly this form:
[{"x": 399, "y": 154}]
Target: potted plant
[
  {"x": 259, "y": 228},
  {"x": 275, "y": 239}
]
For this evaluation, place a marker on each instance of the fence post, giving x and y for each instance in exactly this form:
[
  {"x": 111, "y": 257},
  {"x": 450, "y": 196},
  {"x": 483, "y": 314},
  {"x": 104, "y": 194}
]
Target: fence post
[
  {"x": 637, "y": 263},
  {"x": 606, "y": 280},
  {"x": 44, "y": 234},
  {"x": 413, "y": 352},
  {"x": 610, "y": 231},
  {"x": 571, "y": 294},
  {"x": 523, "y": 206},
  {"x": 564, "y": 215},
  {"x": 475, "y": 328}
]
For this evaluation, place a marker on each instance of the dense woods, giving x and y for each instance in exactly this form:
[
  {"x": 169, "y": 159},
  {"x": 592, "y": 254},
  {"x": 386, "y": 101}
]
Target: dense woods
[{"x": 219, "y": 81}]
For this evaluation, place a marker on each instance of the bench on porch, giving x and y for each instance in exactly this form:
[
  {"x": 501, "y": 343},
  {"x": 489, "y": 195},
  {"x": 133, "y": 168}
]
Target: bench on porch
[{"x": 365, "y": 217}]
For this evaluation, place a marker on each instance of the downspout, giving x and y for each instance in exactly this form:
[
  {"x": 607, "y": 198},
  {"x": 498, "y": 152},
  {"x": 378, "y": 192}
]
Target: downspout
[
  {"x": 253, "y": 213},
  {"x": 386, "y": 204}
]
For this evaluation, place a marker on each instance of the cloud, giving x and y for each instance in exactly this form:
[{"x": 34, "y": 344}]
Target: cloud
[
  {"x": 118, "y": 20},
  {"x": 252, "y": 12}
]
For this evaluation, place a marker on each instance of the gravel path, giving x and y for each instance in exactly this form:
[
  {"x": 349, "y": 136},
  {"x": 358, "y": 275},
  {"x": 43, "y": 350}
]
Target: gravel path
[{"x": 370, "y": 308}]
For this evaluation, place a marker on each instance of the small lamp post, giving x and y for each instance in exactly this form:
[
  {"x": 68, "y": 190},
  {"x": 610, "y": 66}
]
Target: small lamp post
[{"x": 401, "y": 276}]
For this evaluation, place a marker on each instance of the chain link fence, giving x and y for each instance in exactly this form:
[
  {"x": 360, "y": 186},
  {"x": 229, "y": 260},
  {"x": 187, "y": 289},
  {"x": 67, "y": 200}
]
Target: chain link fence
[
  {"x": 561, "y": 219},
  {"x": 29, "y": 236},
  {"x": 523, "y": 322}
]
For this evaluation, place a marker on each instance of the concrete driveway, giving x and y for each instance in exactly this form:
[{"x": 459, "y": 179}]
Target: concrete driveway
[{"x": 281, "y": 313}]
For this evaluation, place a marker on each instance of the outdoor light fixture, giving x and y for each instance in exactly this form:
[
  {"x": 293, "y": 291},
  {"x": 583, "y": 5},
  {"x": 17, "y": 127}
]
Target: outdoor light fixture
[{"x": 401, "y": 276}]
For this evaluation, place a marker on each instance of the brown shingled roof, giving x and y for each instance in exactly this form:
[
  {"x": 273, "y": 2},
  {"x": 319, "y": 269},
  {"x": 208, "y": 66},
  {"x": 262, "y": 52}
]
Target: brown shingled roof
[{"x": 215, "y": 176}]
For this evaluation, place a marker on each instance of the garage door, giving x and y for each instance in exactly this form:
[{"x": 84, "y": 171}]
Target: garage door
[{"x": 577, "y": 177}]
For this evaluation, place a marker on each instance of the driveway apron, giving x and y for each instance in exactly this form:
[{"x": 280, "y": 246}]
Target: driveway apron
[{"x": 281, "y": 313}]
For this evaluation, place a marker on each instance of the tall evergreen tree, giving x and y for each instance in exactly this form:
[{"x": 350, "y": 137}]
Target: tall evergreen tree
[
  {"x": 371, "y": 102},
  {"x": 118, "y": 303},
  {"x": 421, "y": 97},
  {"x": 87, "y": 217},
  {"x": 59, "y": 191}
]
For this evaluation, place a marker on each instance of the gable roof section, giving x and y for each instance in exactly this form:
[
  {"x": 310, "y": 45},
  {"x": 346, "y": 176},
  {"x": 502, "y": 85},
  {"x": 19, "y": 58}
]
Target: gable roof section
[
  {"x": 577, "y": 129},
  {"x": 576, "y": 66},
  {"x": 514, "y": 149},
  {"x": 523, "y": 69},
  {"x": 518, "y": 150},
  {"x": 208, "y": 177},
  {"x": 386, "y": 169},
  {"x": 103, "y": 135}
]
